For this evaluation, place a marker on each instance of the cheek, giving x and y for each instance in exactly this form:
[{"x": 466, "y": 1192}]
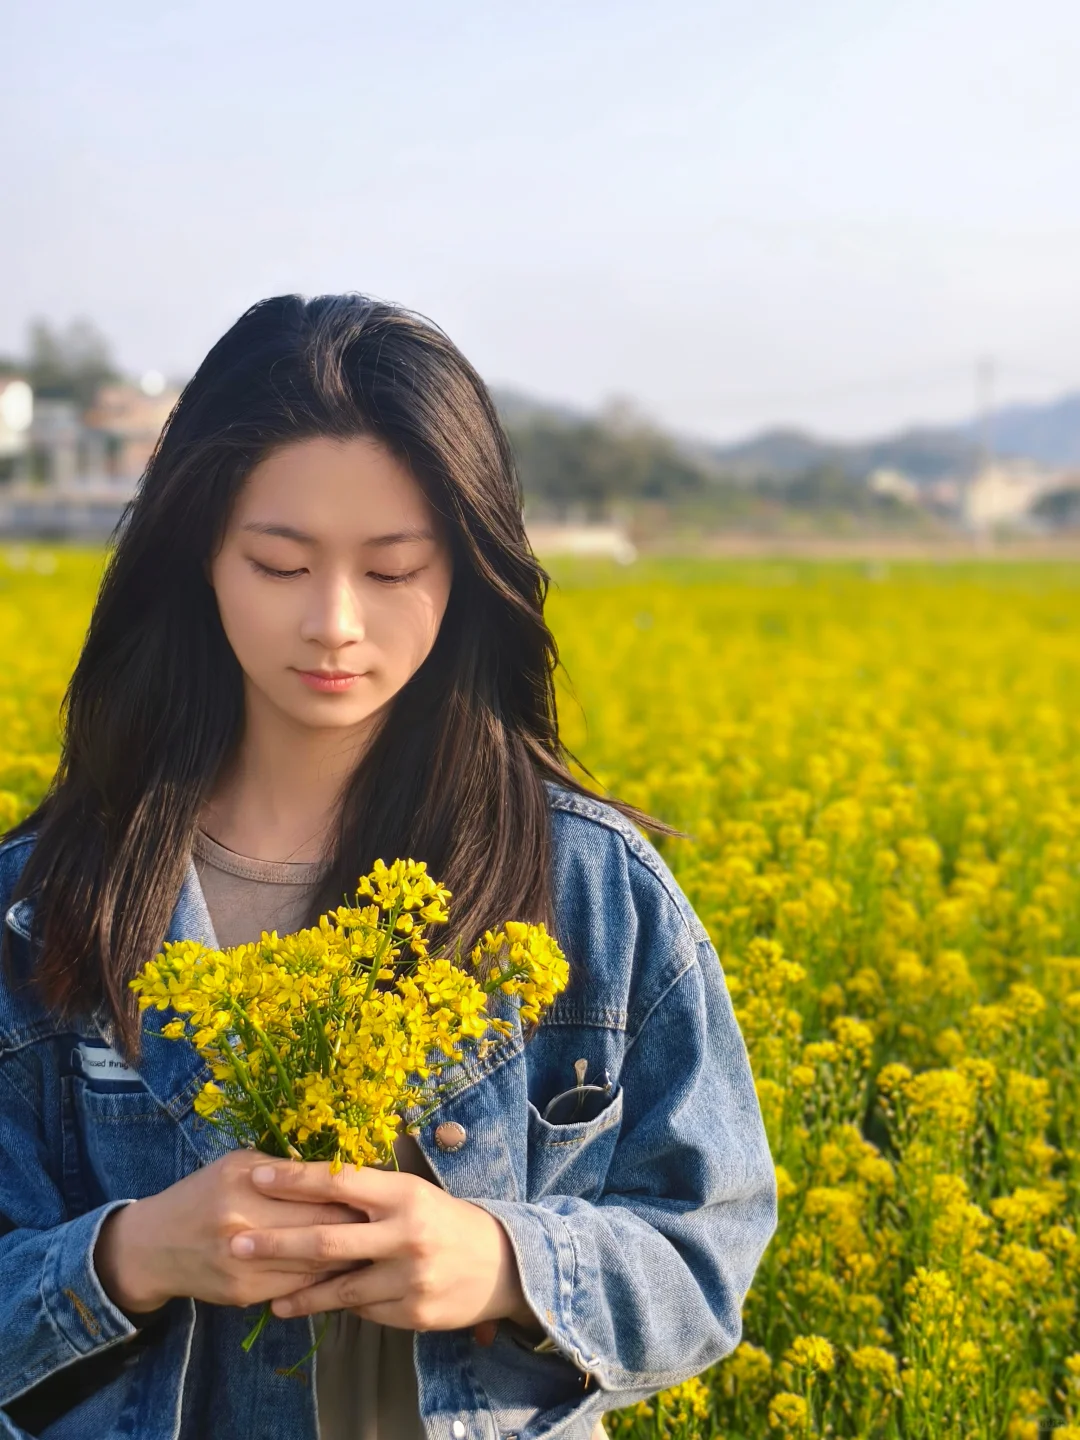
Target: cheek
[
  {"x": 415, "y": 626},
  {"x": 249, "y": 617}
]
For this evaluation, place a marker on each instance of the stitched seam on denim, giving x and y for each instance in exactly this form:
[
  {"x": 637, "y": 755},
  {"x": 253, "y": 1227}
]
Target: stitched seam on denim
[
  {"x": 473, "y": 1075},
  {"x": 695, "y": 963},
  {"x": 562, "y": 1243},
  {"x": 46, "y": 1026},
  {"x": 126, "y": 1119},
  {"x": 581, "y": 1139},
  {"x": 478, "y": 1397},
  {"x": 185, "y": 1361},
  {"x": 18, "y": 840},
  {"x": 176, "y": 1108},
  {"x": 616, "y": 1020},
  {"x": 558, "y": 1243},
  {"x": 30, "y": 1033},
  {"x": 11, "y": 923},
  {"x": 653, "y": 1379},
  {"x": 46, "y": 1368},
  {"x": 569, "y": 1320},
  {"x": 182, "y": 1101},
  {"x": 29, "y": 1101},
  {"x": 50, "y": 1281},
  {"x": 635, "y": 845}
]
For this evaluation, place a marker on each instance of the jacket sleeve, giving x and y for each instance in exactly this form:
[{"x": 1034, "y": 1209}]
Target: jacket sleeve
[
  {"x": 643, "y": 1287},
  {"x": 53, "y": 1308}
]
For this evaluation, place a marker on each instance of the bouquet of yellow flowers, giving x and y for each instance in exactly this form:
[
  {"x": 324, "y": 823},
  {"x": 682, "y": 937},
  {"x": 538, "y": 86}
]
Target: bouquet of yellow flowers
[{"x": 322, "y": 1041}]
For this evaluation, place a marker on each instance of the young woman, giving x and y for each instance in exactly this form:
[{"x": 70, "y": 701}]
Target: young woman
[{"x": 320, "y": 640}]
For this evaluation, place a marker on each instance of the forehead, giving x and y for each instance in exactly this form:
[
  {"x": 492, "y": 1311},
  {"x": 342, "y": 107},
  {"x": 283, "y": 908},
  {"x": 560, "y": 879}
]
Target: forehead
[{"x": 333, "y": 489}]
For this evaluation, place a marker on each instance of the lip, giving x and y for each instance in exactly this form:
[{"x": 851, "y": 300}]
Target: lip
[{"x": 329, "y": 681}]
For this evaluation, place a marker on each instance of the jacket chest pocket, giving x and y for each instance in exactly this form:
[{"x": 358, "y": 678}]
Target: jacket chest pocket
[
  {"x": 573, "y": 1159},
  {"x": 130, "y": 1147}
]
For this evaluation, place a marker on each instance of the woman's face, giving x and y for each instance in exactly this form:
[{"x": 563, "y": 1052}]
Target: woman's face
[{"x": 333, "y": 560}]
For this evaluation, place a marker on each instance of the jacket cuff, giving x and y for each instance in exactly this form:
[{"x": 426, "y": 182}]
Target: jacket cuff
[
  {"x": 74, "y": 1297},
  {"x": 547, "y": 1262}
]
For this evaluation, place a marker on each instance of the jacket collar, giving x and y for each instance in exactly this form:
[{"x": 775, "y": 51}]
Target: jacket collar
[{"x": 190, "y": 919}]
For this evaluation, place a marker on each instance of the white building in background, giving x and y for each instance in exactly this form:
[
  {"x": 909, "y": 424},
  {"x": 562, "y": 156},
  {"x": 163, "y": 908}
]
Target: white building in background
[
  {"x": 70, "y": 472},
  {"x": 122, "y": 427},
  {"x": 16, "y": 417},
  {"x": 1005, "y": 491},
  {"x": 56, "y": 440},
  {"x": 895, "y": 484},
  {"x": 609, "y": 542}
]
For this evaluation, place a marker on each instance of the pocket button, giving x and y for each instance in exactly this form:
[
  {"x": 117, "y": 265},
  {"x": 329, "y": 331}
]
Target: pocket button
[{"x": 450, "y": 1135}]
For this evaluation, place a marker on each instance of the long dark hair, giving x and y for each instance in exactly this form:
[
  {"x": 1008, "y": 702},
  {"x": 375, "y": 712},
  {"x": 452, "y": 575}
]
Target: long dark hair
[{"x": 155, "y": 705}]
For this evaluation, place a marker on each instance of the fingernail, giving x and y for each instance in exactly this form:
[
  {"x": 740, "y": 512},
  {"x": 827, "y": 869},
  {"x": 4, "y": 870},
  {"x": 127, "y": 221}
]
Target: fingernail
[
  {"x": 243, "y": 1245},
  {"x": 263, "y": 1175},
  {"x": 282, "y": 1308}
]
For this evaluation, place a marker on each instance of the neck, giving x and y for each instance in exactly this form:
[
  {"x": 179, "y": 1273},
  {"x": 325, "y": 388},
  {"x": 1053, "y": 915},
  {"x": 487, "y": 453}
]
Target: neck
[{"x": 279, "y": 799}]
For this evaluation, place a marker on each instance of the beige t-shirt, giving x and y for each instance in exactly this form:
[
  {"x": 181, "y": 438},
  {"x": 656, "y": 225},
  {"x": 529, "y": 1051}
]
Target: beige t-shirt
[{"x": 365, "y": 1378}]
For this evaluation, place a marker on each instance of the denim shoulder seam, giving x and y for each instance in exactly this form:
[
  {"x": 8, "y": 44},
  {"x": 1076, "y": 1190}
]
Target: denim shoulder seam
[
  {"x": 7, "y": 1081},
  {"x": 16, "y": 840},
  {"x": 603, "y": 815},
  {"x": 27, "y": 1033},
  {"x": 691, "y": 964}
]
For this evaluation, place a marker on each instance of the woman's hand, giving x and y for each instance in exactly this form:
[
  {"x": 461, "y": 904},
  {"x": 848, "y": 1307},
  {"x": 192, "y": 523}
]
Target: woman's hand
[
  {"x": 423, "y": 1261},
  {"x": 178, "y": 1242}
]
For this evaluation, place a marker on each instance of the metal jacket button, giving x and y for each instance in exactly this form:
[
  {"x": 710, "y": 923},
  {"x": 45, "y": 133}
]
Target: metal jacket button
[{"x": 450, "y": 1135}]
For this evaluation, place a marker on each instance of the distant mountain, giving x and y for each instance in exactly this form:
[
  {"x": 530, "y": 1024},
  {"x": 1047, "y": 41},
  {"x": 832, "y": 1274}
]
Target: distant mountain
[
  {"x": 517, "y": 408},
  {"x": 1049, "y": 433},
  {"x": 923, "y": 453}
]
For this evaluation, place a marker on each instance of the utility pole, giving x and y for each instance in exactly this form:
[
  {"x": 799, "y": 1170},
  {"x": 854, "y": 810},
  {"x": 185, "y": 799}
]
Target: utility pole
[
  {"x": 985, "y": 371},
  {"x": 985, "y": 374}
]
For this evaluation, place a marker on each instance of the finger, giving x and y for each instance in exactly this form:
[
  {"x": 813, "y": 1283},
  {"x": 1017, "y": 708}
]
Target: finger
[
  {"x": 365, "y": 1188},
  {"x": 273, "y": 1283},
  {"x": 294, "y": 1214},
  {"x": 373, "y": 1285},
  {"x": 333, "y": 1247}
]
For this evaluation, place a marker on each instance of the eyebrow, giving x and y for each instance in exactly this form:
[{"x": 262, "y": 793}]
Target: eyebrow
[{"x": 289, "y": 532}]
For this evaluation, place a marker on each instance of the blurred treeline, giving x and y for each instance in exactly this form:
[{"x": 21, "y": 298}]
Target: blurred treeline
[
  {"x": 611, "y": 467},
  {"x": 68, "y": 363},
  {"x": 615, "y": 465}
]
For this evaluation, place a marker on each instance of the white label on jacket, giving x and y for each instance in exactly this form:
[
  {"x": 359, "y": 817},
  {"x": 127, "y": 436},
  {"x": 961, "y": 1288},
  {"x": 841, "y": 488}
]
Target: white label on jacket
[{"x": 101, "y": 1062}]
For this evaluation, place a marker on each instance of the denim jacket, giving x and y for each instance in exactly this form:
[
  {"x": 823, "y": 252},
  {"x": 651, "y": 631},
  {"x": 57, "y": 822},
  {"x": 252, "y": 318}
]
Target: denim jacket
[{"x": 637, "y": 1229}]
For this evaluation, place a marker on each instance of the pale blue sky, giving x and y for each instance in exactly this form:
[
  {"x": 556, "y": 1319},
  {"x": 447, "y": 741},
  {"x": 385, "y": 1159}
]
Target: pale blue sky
[{"x": 812, "y": 211}]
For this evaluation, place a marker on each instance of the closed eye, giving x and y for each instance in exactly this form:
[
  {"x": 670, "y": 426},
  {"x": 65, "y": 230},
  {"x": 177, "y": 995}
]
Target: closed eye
[
  {"x": 395, "y": 579},
  {"x": 288, "y": 574},
  {"x": 277, "y": 574}
]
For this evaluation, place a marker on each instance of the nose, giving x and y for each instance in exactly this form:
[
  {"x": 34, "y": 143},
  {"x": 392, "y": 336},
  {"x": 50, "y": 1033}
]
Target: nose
[{"x": 334, "y": 617}]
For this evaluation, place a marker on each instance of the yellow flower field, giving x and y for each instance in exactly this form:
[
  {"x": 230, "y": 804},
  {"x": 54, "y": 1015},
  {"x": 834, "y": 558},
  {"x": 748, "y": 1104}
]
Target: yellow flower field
[{"x": 880, "y": 773}]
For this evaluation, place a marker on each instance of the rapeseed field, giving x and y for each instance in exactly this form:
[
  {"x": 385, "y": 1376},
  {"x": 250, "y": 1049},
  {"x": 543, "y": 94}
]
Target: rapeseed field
[
  {"x": 881, "y": 775},
  {"x": 879, "y": 772}
]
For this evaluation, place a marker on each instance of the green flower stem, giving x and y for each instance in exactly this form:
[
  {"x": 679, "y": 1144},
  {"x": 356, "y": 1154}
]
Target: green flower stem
[
  {"x": 252, "y": 1094},
  {"x": 257, "y": 1329},
  {"x": 426, "y": 1115},
  {"x": 376, "y": 964},
  {"x": 268, "y": 1046},
  {"x": 318, "y": 1341},
  {"x": 322, "y": 1045}
]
